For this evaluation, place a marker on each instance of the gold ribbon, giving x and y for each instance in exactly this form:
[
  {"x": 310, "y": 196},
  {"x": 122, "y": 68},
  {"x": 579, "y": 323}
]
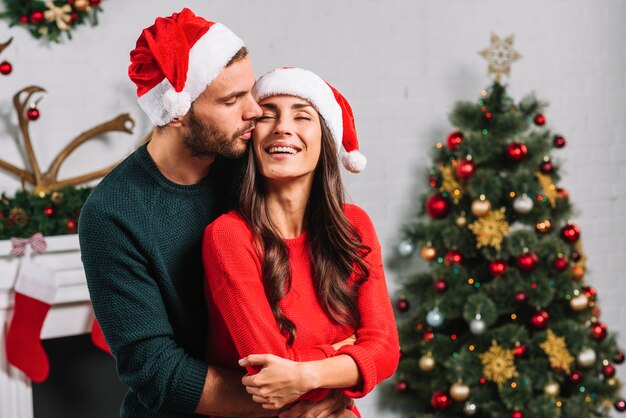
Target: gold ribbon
[{"x": 62, "y": 16}]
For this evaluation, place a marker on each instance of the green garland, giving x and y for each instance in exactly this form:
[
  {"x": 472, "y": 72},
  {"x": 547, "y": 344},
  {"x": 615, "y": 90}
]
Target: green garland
[
  {"x": 51, "y": 18},
  {"x": 54, "y": 213}
]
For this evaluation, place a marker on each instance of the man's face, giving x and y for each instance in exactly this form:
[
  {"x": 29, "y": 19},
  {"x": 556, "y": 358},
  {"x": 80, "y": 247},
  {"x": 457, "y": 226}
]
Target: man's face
[{"x": 222, "y": 118}]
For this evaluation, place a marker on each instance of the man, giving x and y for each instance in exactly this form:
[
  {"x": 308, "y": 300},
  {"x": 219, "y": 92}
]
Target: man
[{"x": 140, "y": 231}]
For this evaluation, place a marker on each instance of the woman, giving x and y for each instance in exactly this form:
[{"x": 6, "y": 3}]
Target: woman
[{"x": 295, "y": 272}]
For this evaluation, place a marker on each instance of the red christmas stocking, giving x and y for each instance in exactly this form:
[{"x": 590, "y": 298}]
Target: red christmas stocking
[
  {"x": 35, "y": 289},
  {"x": 97, "y": 337}
]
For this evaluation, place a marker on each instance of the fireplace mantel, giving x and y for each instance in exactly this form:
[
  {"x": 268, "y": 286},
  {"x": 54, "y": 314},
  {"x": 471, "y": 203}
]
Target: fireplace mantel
[{"x": 71, "y": 314}]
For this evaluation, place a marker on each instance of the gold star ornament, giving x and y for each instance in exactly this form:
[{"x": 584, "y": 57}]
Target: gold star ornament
[
  {"x": 490, "y": 229},
  {"x": 556, "y": 350},
  {"x": 498, "y": 364},
  {"x": 500, "y": 55},
  {"x": 450, "y": 184}
]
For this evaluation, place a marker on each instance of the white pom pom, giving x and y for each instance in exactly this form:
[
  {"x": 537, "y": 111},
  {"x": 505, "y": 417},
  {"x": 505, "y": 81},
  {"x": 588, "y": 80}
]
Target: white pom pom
[
  {"x": 176, "y": 104},
  {"x": 354, "y": 161}
]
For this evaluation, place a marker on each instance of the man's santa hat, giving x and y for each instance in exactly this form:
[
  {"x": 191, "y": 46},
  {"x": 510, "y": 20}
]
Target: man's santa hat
[
  {"x": 330, "y": 104},
  {"x": 175, "y": 60}
]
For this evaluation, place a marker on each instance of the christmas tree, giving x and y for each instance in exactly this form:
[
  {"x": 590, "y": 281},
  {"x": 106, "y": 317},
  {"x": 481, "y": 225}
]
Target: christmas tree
[{"x": 504, "y": 323}]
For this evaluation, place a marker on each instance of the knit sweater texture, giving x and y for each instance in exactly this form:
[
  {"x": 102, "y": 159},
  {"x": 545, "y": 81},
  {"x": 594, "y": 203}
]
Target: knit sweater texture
[
  {"x": 241, "y": 320},
  {"x": 140, "y": 237}
]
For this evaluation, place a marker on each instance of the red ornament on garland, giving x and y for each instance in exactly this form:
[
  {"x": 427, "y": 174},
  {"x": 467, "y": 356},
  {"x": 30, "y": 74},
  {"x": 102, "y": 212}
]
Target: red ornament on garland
[
  {"x": 74, "y": 17},
  {"x": 437, "y": 206},
  {"x": 562, "y": 193},
  {"x": 516, "y": 151},
  {"x": 519, "y": 351},
  {"x": 440, "y": 286},
  {"x": 547, "y": 167},
  {"x": 94, "y": 3},
  {"x": 619, "y": 357},
  {"x": 441, "y": 400},
  {"x": 465, "y": 169},
  {"x": 454, "y": 140},
  {"x": 37, "y": 17},
  {"x": 497, "y": 267},
  {"x": 5, "y": 68},
  {"x": 590, "y": 292},
  {"x": 558, "y": 141},
  {"x": 540, "y": 320},
  {"x": 608, "y": 371},
  {"x": 23, "y": 20},
  {"x": 570, "y": 233},
  {"x": 33, "y": 114},
  {"x": 575, "y": 377},
  {"x": 527, "y": 261},
  {"x": 598, "y": 331},
  {"x": 521, "y": 297},
  {"x": 453, "y": 256},
  {"x": 48, "y": 211},
  {"x": 620, "y": 405},
  {"x": 575, "y": 256},
  {"x": 517, "y": 414},
  {"x": 403, "y": 305},
  {"x": 401, "y": 386},
  {"x": 561, "y": 263},
  {"x": 540, "y": 120}
]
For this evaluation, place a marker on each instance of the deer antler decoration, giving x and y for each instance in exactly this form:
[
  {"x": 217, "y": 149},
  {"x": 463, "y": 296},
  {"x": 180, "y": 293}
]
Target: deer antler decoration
[
  {"x": 4, "y": 45},
  {"x": 45, "y": 182}
]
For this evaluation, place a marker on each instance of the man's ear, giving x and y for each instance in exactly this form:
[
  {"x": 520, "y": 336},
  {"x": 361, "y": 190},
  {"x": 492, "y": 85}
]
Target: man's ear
[{"x": 176, "y": 123}]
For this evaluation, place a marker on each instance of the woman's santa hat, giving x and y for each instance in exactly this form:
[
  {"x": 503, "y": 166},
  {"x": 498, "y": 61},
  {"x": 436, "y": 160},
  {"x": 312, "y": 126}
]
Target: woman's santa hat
[
  {"x": 330, "y": 104},
  {"x": 175, "y": 60}
]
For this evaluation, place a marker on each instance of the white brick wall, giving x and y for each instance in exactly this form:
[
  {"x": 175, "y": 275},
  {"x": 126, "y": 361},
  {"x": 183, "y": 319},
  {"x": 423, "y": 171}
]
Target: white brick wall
[{"x": 402, "y": 64}]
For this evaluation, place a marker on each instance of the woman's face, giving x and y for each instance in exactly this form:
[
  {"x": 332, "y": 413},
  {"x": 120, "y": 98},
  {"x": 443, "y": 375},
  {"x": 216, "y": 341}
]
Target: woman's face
[{"x": 287, "y": 139}]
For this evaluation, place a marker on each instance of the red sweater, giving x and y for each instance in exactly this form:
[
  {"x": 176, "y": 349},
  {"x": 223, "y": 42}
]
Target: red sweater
[{"x": 241, "y": 320}]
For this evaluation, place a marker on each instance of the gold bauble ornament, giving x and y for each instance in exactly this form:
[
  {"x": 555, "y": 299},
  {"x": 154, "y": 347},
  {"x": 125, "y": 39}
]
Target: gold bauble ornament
[
  {"x": 543, "y": 226},
  {"x": 611, "y": 382},
  {"x": 81, "y": 5},
  {"x": 429, "y": 253},
  {"x": 18, "y": 216},
  {"x": 578, "y": 272},
  {"x": 552, "y": 389},
  {"x": 461, "y": 221},
  {"x": 427, "y": 362},
  {"x": 579, "y": 303},
  {"x": 481, "y": 206},
  {"x": 459, "y": 392},
  {"x": 56, "y": 197}
]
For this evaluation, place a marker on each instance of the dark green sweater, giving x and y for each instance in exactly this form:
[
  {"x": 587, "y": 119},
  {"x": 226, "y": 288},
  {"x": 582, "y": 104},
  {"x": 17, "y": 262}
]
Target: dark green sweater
[{"x": 140, "y": 238}]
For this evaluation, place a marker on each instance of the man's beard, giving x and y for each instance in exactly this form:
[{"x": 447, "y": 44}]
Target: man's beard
[{"x": 204, "y": 139}]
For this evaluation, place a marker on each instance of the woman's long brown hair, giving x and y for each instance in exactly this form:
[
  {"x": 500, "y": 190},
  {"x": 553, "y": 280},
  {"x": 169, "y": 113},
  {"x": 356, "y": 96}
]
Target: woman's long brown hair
[{"x": 336, "y": 246}]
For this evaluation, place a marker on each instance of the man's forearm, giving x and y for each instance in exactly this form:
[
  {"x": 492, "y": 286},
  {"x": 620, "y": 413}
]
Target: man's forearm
[{"x": 226, "y": 396}]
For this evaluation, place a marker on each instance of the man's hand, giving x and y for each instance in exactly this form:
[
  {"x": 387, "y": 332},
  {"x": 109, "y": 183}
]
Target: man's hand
[{"x": 332, "y": 406}]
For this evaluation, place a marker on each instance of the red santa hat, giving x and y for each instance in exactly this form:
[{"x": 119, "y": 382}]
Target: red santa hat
[
  {"x": 330, "y": 104},
  {"x": 175, "y": 60}
]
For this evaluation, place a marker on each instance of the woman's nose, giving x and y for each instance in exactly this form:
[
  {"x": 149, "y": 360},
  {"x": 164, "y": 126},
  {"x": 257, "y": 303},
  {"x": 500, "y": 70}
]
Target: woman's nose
[{"x": 283, "y": 127}]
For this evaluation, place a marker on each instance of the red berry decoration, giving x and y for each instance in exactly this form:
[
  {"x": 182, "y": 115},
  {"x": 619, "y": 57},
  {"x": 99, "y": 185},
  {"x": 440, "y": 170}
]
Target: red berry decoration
[
  {"x": 23, "y": 20},
  {"x": 527, "y": 261},
  {"x": 608, "y": 371},
  {"x": 575, "y": 377},
  {"x": 540, "y": 320},
  {"x": 453, "y": 256},
  {"x": 570, "y": 233},
  {"x": 561, "y": 263},
  {"x": 519, "y": 351},
  {"x": 497, "y": 267},
  {"x": 620, "y": 405},
  {"x": 401, "y": 386},
  {"x": 516, "y": 151},
  {"x": 558, "y": 141},
  {"x": 403, "y": 305},
  {"x": 441, "y": 400},
  {"x": 437, "y": 206},
  {"x": 619, "y": 357},
  {"x": 546, "y": 167},
  {"x": 454, "y": 140},
  {"x": 465, "y": 169},
  {"x": 440, "y": 286},
  {"x": 517, "y": 414},
  {"x": 598, "y": 331},
  {"x": 540, "y": 120},
  {"x": 33, "y": 114},
  {"x": 521, "y": 297},
  {"x": 36, "y": 17},
  {"x": 5, "y": 68}
]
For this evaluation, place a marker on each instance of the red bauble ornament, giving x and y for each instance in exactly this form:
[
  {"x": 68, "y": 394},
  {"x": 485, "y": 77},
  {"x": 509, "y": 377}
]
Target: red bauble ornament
[
  {"x": 575, "y": 377},
  {"x": 519, "y": 351},
  {"x": 5, "y": 68},
  {"x": 437, "y": 206},
  {"x": 429, "y": 335},
  {"x": 558, "y": 141},
  {"x": 497, "y": 267},
  {"x": 23, "y": 20},
  {"x": 454, "y": 140},
  {"x": 74, "y": 17},
  {"x": 575, "y": 256},
  {"x": 608, "y": 371},
  {"x": 33, "y": 114},
  {"x": 561, "y": 263},
  {"x": 590, "y": 292},
  {"x": 71, "y": 225},
  {"x": 517, "y": 414},
  {"x": 465, "y": 169},
  {"x": 94, "y": 3},
  {"x": 453, "y": 256},
  {"x": 570, "y": 233},
  {"x": 440, "y": 286},
  {"x": 620, "y": 405},
  {"x": 36, "y": 17},
  {"x": 619, "y": 357},
  {"x": 516, "y": 151},
  {"x": 540, "y": 320},
  {"x": 48, "y": 211},
  {"x": 403, "y": 305},
  {"x": 562, "y": 193},
  {"x": 598, "y": 331},
  {"x": 520, "y": 297},
  {"x": 546, "y": 167},
  {"x": 401, "y": 386},
  {"x": 540, "y": 120},
  {"x": 527, "y": 261},
  {"x": 441, "y": 400}
]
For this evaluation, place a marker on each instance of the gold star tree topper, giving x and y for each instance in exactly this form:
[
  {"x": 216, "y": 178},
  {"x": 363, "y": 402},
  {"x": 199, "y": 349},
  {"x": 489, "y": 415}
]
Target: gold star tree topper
[
  {"x": 556, "y": 350},
  {"x": 498, "y": 363},
  {"x": 500, "y": 55}
]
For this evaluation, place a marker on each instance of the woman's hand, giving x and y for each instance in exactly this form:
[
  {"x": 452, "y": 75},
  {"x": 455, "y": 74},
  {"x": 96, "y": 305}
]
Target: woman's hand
[
  {"x": 348, "y": 341},
  {"x": 279, "y": 382}
]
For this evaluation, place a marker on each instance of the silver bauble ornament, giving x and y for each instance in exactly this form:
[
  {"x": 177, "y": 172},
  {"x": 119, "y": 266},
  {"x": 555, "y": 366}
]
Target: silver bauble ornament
[
  {"x": 552, "y": 389},
  {"x": 427, "y": 363},
  {"x": 459, "y": 392},
  {"x": 470, "y": 409},
  {"x": 523, "y": 204},
  {"x": 435, "y": 318},
  {"x": 586, "y": 357},
  {"x": 478, "y": 326},
  {"x": 406, "y": 249}
]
